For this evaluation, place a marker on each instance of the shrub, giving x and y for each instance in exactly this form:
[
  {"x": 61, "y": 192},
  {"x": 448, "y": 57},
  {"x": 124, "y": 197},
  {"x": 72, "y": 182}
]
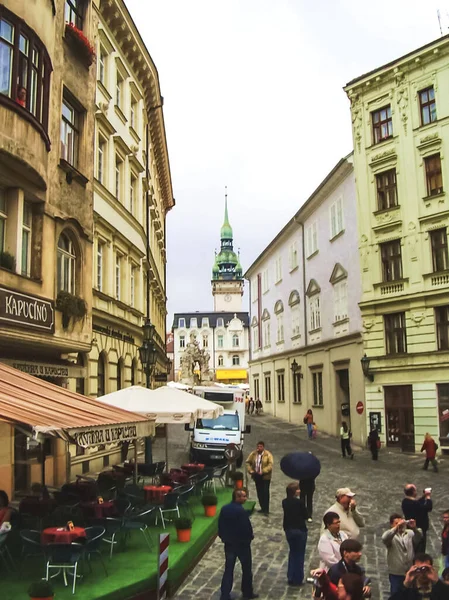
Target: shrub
[
  {"x": 183, "y": 523},
  {"x": 7, "y": 261},
  {"x": 71, "y": 306},
  {"x": 209, "y": 500},
  {"x": 41, "y": 589}
]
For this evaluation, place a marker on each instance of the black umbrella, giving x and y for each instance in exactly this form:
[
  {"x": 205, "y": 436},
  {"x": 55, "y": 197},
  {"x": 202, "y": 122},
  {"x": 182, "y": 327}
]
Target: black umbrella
[{"x": 300, "y": 465}]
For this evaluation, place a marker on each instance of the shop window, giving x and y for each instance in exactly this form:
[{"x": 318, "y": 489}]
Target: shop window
[
  {"x": 120, "y": 373},
  {"x": 443, "y": 408},
  {"x": 134, "y": 372},
  {"x": 80, "y": 381},
  {"x": 256, "y": 387},
  {"x": 296, "y": 388},
  {"x": 66, "y": 267}
]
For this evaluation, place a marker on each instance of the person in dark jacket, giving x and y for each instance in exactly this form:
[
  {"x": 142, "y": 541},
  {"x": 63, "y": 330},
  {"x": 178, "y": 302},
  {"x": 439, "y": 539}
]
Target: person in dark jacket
[
  {"x": 307, "y": 487},
  {"x": 445, "y": 539},
  {"x": 236, "y": 532},
  {"x": 421, "y": 582},
  {"x": 373, "y": 443},
  {"x": 418, "y": 509},
  {"x": 295, "y": 515},
  {"x": 351, "y": 553}
]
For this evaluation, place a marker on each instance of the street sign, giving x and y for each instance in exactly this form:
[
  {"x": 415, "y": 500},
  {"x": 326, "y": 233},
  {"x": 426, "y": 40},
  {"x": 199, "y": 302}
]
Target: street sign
[{"x": 359, "y": 407}]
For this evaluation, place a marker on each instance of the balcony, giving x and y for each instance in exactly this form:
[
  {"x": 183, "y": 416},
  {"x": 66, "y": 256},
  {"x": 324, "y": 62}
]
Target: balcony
[
  {"x": 436, "y": 281},
  {"x": 392, "y": 288}
]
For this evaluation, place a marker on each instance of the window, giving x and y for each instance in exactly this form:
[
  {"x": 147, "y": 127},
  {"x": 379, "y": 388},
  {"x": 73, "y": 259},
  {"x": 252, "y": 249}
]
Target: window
[
  {"x": 395, "y": 333},
  {"x": 256, "y": 387},
  {"x": 293, "y": 256},
  {"x": 266, "y": 333},
  {"x": 265, "y": 281},
  {"x": 119, "y": 91},
  {"x": 205, "y": 322},
  {"x": 132, "y": 286},
  {"x": 99, "y": 266},
  {"x": 182, "y": 341},
  {"x": 220, "y": 361},
  {"x": 390, "y": 253},
  {"x": 24, "y": 66},
  {"x": 427, "y": 106},
  {"x": 297, "y": 387},
  {"x": 280, "y": 328},
  {"x": 26, "y": 239},
  {"x": 235, "y": 360},
  {"x": 387, "y": 193},
  {"x": 220, "y": 322},
  {"x": 118, "y": 178},
  {"x": 443, "y": 408},
  {"x": 101, "y": 378},
  {"x": 66, "y": 264},
  {"x": 438, "y": 242},
  {"x": 101, "y": 155},
  {"x": 267, "y": 388},
  {"x": 132, "y": 194},
  {"x": 312, "y": 239},
  {"x": 434, "y": 178},
  {"x": 340, "y": 301},
  {"x": 193, "y": 322},
  {"x": 281, "y": 386},
  {"x": 235, "y": 341},
  {"x": 382, "y": 124},
  {"x": 118, "y": 276},
  {"x": 74, "y": 12},
  {"x": 133, "y": 113},
  {"x": 255, "y": 338},
  {"x": 3, "y": 219},
  {"x": 205, "y": 341},
  {"x": 295, "y": 320},
  {"x": 314, "y": 312},
  {"x": 442, "y": 322},
  {"x": 220, "y": 340},
  {"x": 69, "y": 133},
  {"x": 317, "y": 379},
  {"x": 278, "y": 266},
  {"x": 181, "y": 322},
  {"x": 102, "y": 66},
  {"x": 336, "y": 217}
]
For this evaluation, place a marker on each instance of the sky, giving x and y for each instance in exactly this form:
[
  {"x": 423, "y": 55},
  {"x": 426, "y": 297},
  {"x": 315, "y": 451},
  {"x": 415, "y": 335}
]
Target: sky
[{"x": 253, "y": 100}]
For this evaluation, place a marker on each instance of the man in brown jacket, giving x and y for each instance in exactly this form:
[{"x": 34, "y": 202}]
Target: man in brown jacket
[{"x": 260, "y": 466}]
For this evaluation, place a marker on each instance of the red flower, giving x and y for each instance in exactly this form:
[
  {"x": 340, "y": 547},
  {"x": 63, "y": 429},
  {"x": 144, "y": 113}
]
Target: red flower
[{"x": 82, "y": 42}]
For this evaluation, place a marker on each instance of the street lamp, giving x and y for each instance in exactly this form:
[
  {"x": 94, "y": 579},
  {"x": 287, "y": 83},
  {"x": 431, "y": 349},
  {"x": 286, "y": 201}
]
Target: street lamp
[
  {"x": 148, "y": 358},
  {"x": 294, "y": 366},
  {"x": 365, "y": 362}
]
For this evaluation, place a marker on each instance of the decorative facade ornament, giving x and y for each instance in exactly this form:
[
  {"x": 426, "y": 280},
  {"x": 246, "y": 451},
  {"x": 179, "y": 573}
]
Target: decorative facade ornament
[
  {"x": 418, "y": 317},
  {"x": 402, "y": 102},
  {"x": 195, "y": 364},
  {"x": 368, "y": 323}
]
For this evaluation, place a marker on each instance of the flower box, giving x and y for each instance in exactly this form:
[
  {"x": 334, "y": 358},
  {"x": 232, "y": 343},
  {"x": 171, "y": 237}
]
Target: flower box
[{"x": 80, "y": 44}]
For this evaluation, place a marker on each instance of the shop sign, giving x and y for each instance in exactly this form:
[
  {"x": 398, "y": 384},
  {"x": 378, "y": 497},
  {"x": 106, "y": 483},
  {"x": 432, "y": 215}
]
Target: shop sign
[
  {"x": 38, "y": 369},
  {"x": 27, "y": 310},
  {"x": 160, "y": 377},
  {"x": 110, "y": 434}
]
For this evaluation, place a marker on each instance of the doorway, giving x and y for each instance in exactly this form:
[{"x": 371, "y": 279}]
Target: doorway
[
  {"x": 343, "y": 397},
  {"x": 400, "y": 424}
]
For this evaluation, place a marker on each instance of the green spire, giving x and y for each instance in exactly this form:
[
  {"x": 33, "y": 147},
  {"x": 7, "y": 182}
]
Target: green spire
[{"x": 226, "y": 230}]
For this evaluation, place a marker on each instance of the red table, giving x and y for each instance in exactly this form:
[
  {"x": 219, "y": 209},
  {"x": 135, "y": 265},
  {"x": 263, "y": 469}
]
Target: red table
[
  {"x": 192, "y": 468},
  {"x": 60, "y": 535},
  {"x": 99, "y": 511},
  {"x": 156, "y": 493}
]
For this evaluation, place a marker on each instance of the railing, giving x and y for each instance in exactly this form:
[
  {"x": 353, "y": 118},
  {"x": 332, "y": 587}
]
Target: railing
[
  {"x": 391, "y": 288},
  {"x": 440, "y": 280}
]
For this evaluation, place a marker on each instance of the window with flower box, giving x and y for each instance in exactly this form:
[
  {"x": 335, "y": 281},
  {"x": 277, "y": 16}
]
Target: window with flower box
[{"x": 74, "y": 12}]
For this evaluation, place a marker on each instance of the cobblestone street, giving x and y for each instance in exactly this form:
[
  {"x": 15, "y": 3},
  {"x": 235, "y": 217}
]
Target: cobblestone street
[{"x": 379, "y": 488}]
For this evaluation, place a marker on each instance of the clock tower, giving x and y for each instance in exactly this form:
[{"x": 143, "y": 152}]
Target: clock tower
[{"x": 227, "y": 277}]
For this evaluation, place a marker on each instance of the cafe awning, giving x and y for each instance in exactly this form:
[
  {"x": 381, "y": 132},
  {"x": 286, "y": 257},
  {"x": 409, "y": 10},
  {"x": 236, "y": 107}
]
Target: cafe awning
[{"x": 47, "y": 409}]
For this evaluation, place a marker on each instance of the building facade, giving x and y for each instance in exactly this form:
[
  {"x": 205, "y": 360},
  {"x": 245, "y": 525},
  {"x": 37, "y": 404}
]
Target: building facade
[
  {"x": 306, "y": 342},
  {"x": 47, "y": 94},
  {"x": 400, "y": 114}
]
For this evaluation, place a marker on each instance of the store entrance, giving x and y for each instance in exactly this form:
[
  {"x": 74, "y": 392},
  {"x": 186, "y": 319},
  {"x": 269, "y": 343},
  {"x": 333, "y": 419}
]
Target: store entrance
[{"x": 400, "y": 420}]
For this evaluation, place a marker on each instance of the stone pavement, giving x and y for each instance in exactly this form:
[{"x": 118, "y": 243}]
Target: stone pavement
[{"x": 379, "y": 488}]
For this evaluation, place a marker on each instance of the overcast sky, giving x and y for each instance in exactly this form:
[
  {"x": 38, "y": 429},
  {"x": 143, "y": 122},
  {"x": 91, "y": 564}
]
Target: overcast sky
[{"x": 253, "y": 100}]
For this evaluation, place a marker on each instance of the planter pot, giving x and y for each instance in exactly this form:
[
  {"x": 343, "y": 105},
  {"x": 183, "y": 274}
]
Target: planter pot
[
  {"x": 239, "y": 484},
  {"x": 210, "y": 511},
  {"x": 183, "y": 535}
]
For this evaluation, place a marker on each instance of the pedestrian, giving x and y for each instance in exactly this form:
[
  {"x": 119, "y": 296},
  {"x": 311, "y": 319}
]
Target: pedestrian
[
  {"x": 401, "y": 541},
  {"x": 314, "y": 430},
  {"x": 351, "y": 553},
  {"x": 236, "y": 532},
  {"x": 346, "y": 508},
  {"x": 307, "y": 487},
  {"x": 260, "y": 466},
  {"x": 431, "y": 447},
  {"x": 330, "y": 540},
  {"x": 421, "y": 582},
  {"x": 251, "y": 405},
  {"x": 418, "y": 509},
  {"x": 258, "y": 406},
  {"x": 350, "y": 586},
  {"x": 308, "y": 421},
  {"x": 374, "y": 443},
  {"x": 247, "y": 405},
  {"x": 295, "y": 515},
  {"x": 445, "y": 539},
  {"x": 345, "y": 439}
]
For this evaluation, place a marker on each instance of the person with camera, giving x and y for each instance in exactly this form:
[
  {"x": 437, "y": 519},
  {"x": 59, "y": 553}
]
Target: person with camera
[
  {"x": 421, "y": 582},
  {"x": 260, "y": 466},
  {"x": 351, "y": 553},
  {"x": 401, "y": 540},
  {"x": 418, "y": 509}
]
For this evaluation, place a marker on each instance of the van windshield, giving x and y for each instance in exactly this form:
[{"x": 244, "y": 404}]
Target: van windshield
[{"x": 229, "y": 422}]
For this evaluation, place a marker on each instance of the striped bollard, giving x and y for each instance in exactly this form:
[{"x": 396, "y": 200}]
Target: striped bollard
[{"x": 164, "y": 539}]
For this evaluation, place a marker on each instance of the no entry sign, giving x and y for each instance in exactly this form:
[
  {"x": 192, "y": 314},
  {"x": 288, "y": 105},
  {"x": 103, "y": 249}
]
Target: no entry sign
[{"x": 359, "y": 407}]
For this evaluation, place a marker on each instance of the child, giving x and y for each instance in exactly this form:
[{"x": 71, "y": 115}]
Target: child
[{"x": 314, "y": 431}]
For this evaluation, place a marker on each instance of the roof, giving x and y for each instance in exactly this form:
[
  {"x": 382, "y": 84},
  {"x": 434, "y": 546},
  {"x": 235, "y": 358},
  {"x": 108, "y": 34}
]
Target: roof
[
  {"x": 212, "y": 316},
  {"x": 49, "y": 409}
]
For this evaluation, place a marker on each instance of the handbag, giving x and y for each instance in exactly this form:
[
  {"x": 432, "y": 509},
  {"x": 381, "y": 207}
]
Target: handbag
[{"x": 305, "y": 420}]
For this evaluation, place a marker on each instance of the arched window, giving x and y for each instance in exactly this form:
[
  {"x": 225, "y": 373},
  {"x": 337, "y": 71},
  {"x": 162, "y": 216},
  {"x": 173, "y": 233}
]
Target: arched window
[
  {"x": 220, "y": 361},
  {"x": 235, "y": 341},
  {"x": 66, "y": 264},
  {"x": 235, "y": 360},
  {"x": 101, "y": 375},
  {"x": 120, "y": 371}
]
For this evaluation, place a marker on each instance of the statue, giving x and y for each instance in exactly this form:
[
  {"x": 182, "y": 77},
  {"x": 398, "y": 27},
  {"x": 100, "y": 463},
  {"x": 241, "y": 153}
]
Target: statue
[{"x": 195, "y": 364}]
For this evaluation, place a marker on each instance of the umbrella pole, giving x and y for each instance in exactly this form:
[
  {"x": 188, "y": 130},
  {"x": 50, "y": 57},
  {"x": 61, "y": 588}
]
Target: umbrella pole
[{"x": 135, "y": 461}]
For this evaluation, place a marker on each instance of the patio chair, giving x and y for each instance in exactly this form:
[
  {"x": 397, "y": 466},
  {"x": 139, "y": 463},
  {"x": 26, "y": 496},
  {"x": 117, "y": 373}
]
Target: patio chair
[
  {"x": 185, "y": 493},
  {"x": 146, "y": 470},
  {"x": 31, "y": 545},
  {"x": 94, "y": 537},
  {"x": 170, "y": 505},
  {"x": 5, "y": 554},
  {"x": 220, "y": 474},
  {"x": 135, "y": 494},
  {"x": 122, "y": 505},
  {"x": 203, "y": 476},
  {"x": 136, "y": 520},
  {"x": 112, "y": 527},
  {"x": 159, "y": 470},
  {"x": 64, "y": 558}
]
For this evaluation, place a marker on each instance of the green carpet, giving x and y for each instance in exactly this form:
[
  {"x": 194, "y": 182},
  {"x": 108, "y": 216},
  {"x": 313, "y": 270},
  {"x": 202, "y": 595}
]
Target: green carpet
[{"x": 131, "y": 570}]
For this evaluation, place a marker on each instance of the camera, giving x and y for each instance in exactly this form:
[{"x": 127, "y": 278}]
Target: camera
[
  {"x": 422, "y": 569},
  {"x": 408, "y": 522}
]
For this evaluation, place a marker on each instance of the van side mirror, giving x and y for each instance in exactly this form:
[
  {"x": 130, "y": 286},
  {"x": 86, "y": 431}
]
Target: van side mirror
[
  {"x": 248, "y": 429},
  {"x": 187, "y": 427}
]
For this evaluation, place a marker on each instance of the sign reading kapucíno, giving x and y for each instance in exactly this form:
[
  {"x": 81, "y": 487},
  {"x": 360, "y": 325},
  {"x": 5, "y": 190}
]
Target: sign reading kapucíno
[
  {"x": 25, "y": 309},
  {"x": 108, "y": 434}
]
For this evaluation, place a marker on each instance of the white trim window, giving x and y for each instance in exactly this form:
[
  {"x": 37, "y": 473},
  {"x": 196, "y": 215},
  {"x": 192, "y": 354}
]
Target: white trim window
[
  {"x": 119, "y": 90},
  {"x": 220, "y": 360},
  {"x": 296, "y": 320},
  {"x": 205, "y": 341},
  {"x": 265, "y": 281},
  {"x": 101, "y": 158},
  {"x": 182, "y": 341},
  {"x": 26, "y": 239},
  {"x": 100, "y": 259},
  {"x": 66, "y": 264},
  {"x": 314, "y": 312},
  {"x": 132, "y": 194},
  {"x": 102, "y": 56},
  {"x": 293, "y": 253},
  {"x": 280, "y": 328},
  {"x": 254, "y": 287},
  {"x": 193, "y": 322},
  {"x": 181, "y": 322},
  {"x": 118, "y": 276},
  {"x": 205, "y": 322},
  {"x": 235, "y": 341},
  {"x": 220, "y": 322},
  {"x": 69, "y": 133},
  {"x": 220, "y": 340},
  {"x": 118, "y": 177},
  {"x": 340, "y": 300},
  {"x": 266, "y": 333},
  {"x": 312, "y": 238},
  {"x": 255, "y": 338},
  {"x": 132, "y": 285},
  {"x": 278, "y": 268},
  {"x": 336, "y": 217},
  {"x": 235, "y": 360}
]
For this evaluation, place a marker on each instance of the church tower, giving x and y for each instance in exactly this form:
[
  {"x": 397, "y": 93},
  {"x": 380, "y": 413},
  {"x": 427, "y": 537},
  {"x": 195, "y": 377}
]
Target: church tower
[{"x": 227, "y": 277}]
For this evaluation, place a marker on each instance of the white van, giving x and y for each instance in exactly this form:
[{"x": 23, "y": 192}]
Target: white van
[{"x": 211, "y": 436}]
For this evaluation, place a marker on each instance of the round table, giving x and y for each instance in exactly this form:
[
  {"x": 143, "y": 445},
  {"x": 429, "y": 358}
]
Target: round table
[
  {"x": 192, "y": 468},
  {"x": 99, "y": 511},
  {"x": 156, "y": 493},
  {"x": 60, "y": 535}
]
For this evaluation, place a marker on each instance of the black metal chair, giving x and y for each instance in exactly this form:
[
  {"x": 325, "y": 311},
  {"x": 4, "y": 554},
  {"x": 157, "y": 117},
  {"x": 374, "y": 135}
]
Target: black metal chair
[
  {"x": 203, "y": 477},
  {"x": 64, "y": 558},
  {"x": 135, "y": 494},
  {"x": 112, "y": 527},
  {"x": 146, "y": 471},
  {"x": 5, "y": 554},
  {"x": 220, "y": 474},
  {"x": 171, "y": 505},
  {"x": 94, "y": 537},
  {"x": 137, "y": 519},
  {"x": 185, "y": 493},
  {"x": 31, "y": 545}
]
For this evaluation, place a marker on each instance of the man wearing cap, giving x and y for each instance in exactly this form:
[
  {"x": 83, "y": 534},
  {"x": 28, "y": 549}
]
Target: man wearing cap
[{"x": 346, "y": 508}]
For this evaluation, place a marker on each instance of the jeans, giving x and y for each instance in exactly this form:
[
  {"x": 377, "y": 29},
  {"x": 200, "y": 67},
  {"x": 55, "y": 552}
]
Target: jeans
[
  {"x": 263, "y": 492},
  {"x": 309, "y": 430},
  {"x": 446, "y": 561},
  {"x": 396, "y": 582},
  {"x": 243, "y": 553},
  {"x": 296, "y": 539},
  {"x": 346, "y": 447}
]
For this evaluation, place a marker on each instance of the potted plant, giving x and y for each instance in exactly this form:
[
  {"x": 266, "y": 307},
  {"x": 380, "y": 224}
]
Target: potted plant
[
  {"x": 7, "y": 261},
  {"x": 41, "y": 589},
  {"x": 71, "y": 306},
  {"x": 80, "y": 43},
  {"x": 237, "y": 478},
  {"x": 183, "y": 529},
  {"x": 209, "y": 501}
]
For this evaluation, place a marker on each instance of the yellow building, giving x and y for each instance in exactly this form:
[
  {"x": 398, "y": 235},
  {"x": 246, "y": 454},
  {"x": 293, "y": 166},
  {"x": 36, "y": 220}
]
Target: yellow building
[
  {"x": 47, "y": 90},
  {"x": 400, "y": 116}
]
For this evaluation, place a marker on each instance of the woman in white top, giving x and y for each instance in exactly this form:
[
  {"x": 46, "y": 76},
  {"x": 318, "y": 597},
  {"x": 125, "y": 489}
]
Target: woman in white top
[
  {"x": 330, "y": 540},
  {"x": 345, "y": 437}
]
